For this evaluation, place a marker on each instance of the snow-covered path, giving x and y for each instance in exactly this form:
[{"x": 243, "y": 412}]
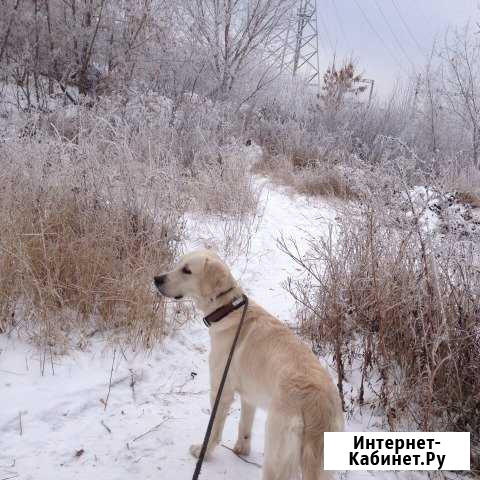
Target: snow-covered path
[{"x": 56, "y": 425}]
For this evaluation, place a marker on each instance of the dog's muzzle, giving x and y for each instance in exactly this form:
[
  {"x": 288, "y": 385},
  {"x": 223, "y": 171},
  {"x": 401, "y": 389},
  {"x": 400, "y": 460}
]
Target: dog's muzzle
[{"x": 160, "y": 282}]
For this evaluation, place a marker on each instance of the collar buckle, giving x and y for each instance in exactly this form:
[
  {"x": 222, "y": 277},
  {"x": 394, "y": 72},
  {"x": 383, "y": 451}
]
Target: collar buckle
[{"x": 237, "y": 302}]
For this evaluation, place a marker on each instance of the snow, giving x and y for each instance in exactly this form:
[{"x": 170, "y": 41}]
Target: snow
[
  {"x": 60, "y": 425},
  {"x": 442, "y": 212}
]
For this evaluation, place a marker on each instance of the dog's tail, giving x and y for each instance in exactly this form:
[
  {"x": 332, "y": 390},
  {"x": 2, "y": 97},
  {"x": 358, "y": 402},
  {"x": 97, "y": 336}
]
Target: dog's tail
[{"x": 322, "y": 413}]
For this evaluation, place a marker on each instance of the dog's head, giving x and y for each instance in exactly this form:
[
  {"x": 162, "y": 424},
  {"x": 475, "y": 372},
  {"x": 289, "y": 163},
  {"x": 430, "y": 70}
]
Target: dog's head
[{"x": 199, "y": 275}]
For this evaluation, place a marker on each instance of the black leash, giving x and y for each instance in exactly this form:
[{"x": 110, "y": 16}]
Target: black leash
[{"x": 198, "y": 467}]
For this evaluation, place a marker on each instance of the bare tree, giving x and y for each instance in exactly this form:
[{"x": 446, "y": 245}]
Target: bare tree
[
  {"x": 231, "y": 32},
  {"x": 86, "y": 44},
  {"x": 8, "y": 29},
  {"x": 461, "y": 82}
]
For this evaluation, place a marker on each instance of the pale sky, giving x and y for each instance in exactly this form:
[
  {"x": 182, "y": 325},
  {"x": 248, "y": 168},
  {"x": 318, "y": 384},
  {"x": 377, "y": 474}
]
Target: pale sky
[{"x": 388, "y": 38}]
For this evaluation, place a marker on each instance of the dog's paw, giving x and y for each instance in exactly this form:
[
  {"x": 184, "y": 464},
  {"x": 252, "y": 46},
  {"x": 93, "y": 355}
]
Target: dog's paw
[
  {"x": 242, "y": 447},
  {"x": 195, "y": 450}
]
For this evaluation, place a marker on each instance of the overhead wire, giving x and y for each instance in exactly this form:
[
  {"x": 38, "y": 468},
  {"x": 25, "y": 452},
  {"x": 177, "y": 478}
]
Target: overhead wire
[
  {"x": 374, "y": 30},
  {"x": 392, "y": 31},
  {"x": 324, "y": 25},
  {"x": 405, "y": 24},
  {"x": 337, "y": 16}
]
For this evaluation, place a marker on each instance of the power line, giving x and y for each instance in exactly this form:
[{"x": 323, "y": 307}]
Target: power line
[
  {"x": 382, "y": 41},
  {"x": 407, "y": 27},
  {"x": 324, "y": 25},
  {"x": 337, "y": 16},
  {"x": 399, "y": 43}
]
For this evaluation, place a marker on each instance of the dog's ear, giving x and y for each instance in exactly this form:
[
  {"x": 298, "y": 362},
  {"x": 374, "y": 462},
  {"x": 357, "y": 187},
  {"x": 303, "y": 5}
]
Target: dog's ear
[{"x": 216, "y": 279}]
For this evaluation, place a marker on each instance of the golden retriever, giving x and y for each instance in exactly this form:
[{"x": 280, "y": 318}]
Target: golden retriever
[{"x": 271, "y": 369}]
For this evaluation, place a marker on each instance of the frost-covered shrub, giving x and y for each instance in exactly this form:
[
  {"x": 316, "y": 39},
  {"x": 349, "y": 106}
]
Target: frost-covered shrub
[
  {"x": 397, "y": 305},
  {"x": 93, "y": 200},
  {"x": 81, "y": 242}
]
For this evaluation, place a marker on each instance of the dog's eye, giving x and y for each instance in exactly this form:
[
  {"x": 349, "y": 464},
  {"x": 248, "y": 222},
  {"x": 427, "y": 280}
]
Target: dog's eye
[{"x": 186, "y": 270}]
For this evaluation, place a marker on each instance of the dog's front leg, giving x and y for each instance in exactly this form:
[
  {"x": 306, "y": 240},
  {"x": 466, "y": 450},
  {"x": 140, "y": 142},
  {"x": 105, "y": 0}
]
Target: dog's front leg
[
  {"x": 222, "y": 412},
  {"x": 242, "y": 447}
]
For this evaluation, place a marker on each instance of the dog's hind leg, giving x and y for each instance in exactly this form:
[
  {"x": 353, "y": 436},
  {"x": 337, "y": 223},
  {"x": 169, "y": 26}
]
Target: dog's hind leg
[
  {"x": 283, "y": 439},
  {"x": 242, "y": 446}
]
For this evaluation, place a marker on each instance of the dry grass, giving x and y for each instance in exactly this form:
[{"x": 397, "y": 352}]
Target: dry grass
[
  {"x": 224, "y": 186},
  {"x": 70, "y": 262},
  {"x": 73, "y": 264},
  {"x": 300, "y": 149},
  {"x": 469, "y": 198},
  {"x": 405, "y": 313},
  {"x": 85, "y": 227},
  {"x": 461, "y": 175},
  {"x": 316, "y": 180},
  {"x": 88, "y": 219},
  {"x": 325, "y": 182}
]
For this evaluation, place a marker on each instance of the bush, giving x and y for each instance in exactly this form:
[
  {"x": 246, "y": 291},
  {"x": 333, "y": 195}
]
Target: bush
[
  {"x": 81, "y": 241},
  {"x": 316, "y": 145},
  {"x": 326, "y": 181},
  {"x": 92, "y": 206},
  {"x": 318, "y": 179},
  {"x": 400, "y": 307}
]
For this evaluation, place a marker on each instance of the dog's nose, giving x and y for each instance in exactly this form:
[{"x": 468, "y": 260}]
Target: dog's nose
[{"x": 160, "y": 280}]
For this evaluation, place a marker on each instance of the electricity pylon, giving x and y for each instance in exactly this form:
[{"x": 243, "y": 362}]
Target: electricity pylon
[{"x": 296, "y": 45}]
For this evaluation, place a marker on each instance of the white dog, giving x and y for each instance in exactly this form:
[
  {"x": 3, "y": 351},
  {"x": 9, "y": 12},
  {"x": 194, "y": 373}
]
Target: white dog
[{"x": 271, "y": 369}]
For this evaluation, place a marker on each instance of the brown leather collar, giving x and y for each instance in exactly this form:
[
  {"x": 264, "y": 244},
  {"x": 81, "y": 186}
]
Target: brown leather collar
[{"x": 223, "y": 311}]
